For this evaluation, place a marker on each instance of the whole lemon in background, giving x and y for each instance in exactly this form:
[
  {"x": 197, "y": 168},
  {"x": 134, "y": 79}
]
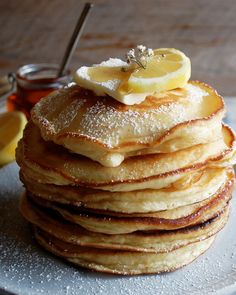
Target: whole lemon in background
[{"x": 11, "y": 130}]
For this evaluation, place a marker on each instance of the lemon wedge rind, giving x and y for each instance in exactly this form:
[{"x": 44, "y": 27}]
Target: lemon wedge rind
[{"x": 11, "y": 130}]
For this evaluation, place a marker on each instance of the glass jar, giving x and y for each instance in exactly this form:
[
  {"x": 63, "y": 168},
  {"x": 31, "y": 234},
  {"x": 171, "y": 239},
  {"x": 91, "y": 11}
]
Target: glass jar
[{"x": 34, "y": 81}]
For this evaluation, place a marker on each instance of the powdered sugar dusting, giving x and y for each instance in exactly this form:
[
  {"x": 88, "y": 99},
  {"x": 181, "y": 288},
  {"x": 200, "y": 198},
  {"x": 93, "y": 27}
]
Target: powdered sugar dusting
[
  {"x": 106, "y": 124},
  {"x": 103, "y": 122},
  {"x": 195, "y": 94}
]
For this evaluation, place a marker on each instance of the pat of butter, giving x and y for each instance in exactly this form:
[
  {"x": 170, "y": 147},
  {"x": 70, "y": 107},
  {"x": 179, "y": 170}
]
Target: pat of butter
[{"x": 108, "y": 85}]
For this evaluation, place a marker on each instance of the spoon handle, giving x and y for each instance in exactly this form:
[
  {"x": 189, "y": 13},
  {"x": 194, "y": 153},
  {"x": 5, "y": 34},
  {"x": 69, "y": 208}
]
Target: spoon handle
[{"x": 75, "y": 38}]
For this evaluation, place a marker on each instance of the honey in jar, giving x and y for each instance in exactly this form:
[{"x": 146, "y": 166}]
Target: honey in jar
[{"x": 34, "y": 81}]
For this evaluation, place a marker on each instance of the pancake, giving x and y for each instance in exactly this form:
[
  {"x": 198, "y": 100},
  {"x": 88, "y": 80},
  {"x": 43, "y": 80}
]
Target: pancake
[
  {"x": 122, "y": 262},
  {"x": 49, "y": 163},
  {"x": 108, "y": 131},
  {"x": 117, "y": 223},
  {"x": 195, "y": 187},
  {"x": 127, "y": 189},
  {"x": 155, "y": 241}
]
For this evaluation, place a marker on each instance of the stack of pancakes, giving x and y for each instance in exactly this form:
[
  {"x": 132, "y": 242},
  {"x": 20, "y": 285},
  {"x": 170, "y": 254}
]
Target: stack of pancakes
[{"x": 127, "y": 189}]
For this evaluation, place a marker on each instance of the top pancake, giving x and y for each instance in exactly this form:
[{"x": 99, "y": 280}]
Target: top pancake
[{"x": 108, "y": 131}]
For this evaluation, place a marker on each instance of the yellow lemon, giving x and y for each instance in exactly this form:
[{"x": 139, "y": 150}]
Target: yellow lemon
[
  {"x": 11, "y": 130},
  {"x": 167, "y": 69}
]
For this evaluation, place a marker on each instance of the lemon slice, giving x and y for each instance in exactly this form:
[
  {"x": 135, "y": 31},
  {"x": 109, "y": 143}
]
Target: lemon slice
[
  {"x": 167, "y": 69},
  {"x": 11, "y": 130}
]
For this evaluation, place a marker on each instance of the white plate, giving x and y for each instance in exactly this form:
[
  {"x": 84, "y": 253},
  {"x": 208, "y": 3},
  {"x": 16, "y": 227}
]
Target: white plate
[{"x": 27, "y": 269}]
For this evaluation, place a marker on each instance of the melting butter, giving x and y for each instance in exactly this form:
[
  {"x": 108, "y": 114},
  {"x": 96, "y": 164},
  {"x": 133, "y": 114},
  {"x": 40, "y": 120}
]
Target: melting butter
[{"x": 110, "y": 78}]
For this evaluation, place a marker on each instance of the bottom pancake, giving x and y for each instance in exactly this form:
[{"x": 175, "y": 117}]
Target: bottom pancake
[
  {"x": 154, "y": 241},
  {"x": 122, "y": 262}
]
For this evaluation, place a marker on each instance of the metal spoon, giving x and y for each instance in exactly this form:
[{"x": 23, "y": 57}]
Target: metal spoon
[{"x": 75, "y": 38}]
